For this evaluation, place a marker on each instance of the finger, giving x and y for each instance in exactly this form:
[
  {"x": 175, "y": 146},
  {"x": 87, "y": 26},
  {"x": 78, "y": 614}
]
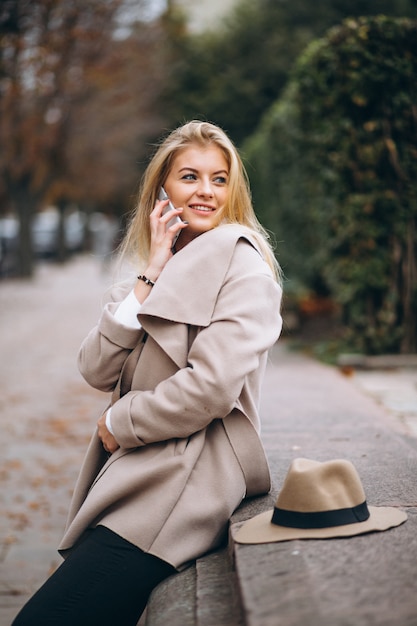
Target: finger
[
  {"x": 176, "y": 228},
  {"x": 159, "y": 220},
  {"x": 170, "y": 215},
  {"x": 159, "y": 207}
]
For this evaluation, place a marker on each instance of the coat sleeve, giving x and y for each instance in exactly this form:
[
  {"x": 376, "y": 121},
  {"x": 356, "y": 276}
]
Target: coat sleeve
[
  {"x": 106, "y": 348},
  {"x": 246, "y": 322}
]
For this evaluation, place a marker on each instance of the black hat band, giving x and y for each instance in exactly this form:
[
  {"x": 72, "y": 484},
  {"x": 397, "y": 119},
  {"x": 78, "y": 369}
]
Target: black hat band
[{"x": 320, "y": 519}]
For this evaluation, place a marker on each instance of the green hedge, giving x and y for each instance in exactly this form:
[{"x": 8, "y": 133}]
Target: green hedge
[{"x": 334, "y": 169}]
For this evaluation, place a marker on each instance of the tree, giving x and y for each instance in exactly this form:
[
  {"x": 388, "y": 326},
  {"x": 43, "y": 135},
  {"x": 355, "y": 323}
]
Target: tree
[
  {"x": 342, "y": 169},
  {"x": 45, "y": 46},
  {"x": 232, "y": 75},
  {"x": 118, "y": 119},
  {"x": 78, "y": 104}
]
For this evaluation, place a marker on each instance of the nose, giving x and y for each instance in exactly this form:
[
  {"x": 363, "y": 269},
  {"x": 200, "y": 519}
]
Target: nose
[{"x": 204, "y": 188}]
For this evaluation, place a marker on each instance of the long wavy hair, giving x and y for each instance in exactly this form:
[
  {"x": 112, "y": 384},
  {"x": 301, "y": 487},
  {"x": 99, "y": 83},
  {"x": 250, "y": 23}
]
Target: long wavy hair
[{"x": 238, "y": 208}]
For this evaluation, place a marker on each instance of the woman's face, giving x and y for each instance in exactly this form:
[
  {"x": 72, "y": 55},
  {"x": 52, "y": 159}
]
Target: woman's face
[{"x": 198, "y": 182}]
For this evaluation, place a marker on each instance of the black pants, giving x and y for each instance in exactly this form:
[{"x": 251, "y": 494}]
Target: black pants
[{"x": 104, "y": 581}]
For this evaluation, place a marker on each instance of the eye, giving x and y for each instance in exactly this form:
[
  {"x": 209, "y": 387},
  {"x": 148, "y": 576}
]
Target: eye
[
  {"x": 221, "y": 180},
  {"x": 189, "y": 177}
]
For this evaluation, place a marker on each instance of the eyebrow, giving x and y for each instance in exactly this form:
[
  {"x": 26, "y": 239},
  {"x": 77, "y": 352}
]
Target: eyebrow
[{"x": 192, "y": 169}]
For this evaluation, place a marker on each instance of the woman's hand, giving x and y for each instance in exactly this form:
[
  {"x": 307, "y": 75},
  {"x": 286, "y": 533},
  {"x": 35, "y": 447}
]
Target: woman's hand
[
  {"x": 161, "y": 245},
  {"x": 162, "y": 237},
  {"x": 109, "y": 442}
]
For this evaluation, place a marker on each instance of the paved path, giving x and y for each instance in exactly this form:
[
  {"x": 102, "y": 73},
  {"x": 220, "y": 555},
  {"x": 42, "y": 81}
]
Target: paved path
[
  {"x": 47, "y": 414},
  {"x": 396, "y": 391}
]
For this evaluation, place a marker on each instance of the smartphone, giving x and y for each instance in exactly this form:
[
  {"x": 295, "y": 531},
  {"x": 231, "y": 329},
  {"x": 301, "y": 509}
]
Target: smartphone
[{"x": 164, "y": 196}]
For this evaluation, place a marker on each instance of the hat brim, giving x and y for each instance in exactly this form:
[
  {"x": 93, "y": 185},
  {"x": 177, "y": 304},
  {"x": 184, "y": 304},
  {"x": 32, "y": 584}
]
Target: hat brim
[{"x": 260, "y": 529}]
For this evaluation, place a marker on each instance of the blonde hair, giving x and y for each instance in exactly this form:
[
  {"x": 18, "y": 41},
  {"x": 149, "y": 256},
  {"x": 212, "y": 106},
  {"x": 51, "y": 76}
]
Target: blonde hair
[{"x": 237, "y": 210}]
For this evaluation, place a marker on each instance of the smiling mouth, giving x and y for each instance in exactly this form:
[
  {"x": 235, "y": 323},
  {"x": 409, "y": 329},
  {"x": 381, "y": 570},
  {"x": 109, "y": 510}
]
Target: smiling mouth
[{"x": 199, "y": 207}]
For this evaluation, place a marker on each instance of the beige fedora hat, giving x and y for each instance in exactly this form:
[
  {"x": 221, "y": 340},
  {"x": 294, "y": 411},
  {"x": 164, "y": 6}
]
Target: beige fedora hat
[{"x": 318, "y": 501}]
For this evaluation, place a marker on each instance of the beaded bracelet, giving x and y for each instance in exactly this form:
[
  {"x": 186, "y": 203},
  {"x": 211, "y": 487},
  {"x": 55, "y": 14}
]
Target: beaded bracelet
[{"x": 146, "y": 280}]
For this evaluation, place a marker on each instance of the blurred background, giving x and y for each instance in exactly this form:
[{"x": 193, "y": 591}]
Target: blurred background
[{"x": 320, "y": 98}]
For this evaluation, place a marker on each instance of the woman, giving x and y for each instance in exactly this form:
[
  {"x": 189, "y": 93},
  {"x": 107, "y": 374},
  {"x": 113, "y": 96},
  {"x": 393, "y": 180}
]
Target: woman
[{"x": 183, "y": 349}]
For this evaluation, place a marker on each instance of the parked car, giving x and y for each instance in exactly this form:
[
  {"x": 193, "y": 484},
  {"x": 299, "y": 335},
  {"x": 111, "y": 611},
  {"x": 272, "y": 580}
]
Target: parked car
[
  {"x": 75, "y": 229},
  {"x": 45, "y": 236},
  {"x": 9, "y": 239},
  {"x": 45, "y": 231},
  {"x": 45, "y": 226}
]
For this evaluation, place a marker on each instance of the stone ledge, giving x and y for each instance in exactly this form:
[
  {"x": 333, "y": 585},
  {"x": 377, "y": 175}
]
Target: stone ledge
[
  {"x": 203, "y": 595},
  {"x": 173, "y": 601},
  {"x": 358, "y": 581}
]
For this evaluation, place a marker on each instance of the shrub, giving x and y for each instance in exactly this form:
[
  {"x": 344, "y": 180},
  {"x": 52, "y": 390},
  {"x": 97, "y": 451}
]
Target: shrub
[{"x": 343, "y": 177}]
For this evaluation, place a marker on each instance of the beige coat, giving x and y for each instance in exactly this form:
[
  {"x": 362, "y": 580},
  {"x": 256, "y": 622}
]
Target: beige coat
[{"x": 187, "y": 424}]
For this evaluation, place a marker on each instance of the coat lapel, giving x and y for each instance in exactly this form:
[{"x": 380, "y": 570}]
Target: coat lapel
[{"x": 186, "y": 291}]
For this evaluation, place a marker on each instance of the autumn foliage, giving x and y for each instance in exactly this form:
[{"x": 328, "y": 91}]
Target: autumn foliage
[{"x": 78, "y": 106}]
